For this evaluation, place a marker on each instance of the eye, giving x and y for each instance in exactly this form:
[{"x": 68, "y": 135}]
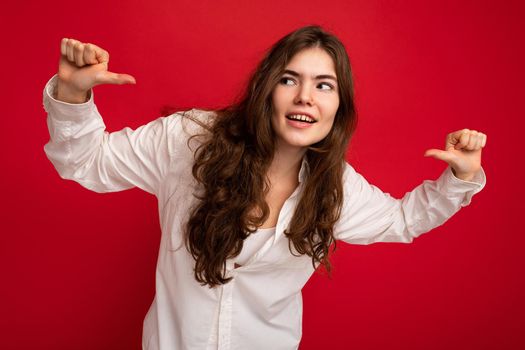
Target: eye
[
  {"x": 285, "y": 81},
  {"x": 328, "y": 86}
]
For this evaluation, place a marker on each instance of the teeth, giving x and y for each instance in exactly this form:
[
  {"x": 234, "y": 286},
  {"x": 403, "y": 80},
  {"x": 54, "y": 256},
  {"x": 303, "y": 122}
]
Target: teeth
[{"x": 301, "y": 117}]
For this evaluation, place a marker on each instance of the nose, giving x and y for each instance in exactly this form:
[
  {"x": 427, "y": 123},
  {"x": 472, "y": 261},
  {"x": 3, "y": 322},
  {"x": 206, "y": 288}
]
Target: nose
[{"x": 304, "y": 95}]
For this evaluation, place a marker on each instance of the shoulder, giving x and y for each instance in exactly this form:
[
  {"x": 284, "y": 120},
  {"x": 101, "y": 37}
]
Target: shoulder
[
  {"x": 193, "y": 121},
  {"x": 349, "y": 174},
  {"x": 189, "y": 128},
  {"x": 354, "y": 184}
]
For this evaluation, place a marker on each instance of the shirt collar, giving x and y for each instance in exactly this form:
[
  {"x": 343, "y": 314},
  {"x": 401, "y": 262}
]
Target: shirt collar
[{"x": 304, "y": 171}]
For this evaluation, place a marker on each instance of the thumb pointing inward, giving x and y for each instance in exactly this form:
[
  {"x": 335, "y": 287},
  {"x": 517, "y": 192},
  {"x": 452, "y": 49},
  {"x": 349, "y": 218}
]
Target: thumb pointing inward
[
  {"x": 438, "y": 154},
  {"x": 115, "y": 78}
]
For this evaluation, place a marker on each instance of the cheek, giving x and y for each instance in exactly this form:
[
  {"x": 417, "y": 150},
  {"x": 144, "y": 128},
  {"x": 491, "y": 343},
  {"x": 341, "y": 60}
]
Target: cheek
[
  {"x": 332, "y": 108},
  {"x": 329, "y": 111},
  {"x": 278, "y": 97},
  {"x": 327, "y": 127}
]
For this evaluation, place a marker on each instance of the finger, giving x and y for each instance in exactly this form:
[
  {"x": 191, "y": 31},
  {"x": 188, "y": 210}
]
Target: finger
[
  {"x": 446, "y": 156},
  {"x": 63, "y": 46},
  {"x": 101, "y": 55},
  {"x": 439, "y": 154},
  {"x": 484, "y": 140},
  {"x": 479, "y": 141},
  {"x": 453, "y": 139},
  {"x": 89, "y": 54},
  {"x": 78, "y": 52},
  {"x": 450, "y": 142},
  {"x": 70, "y": 49},
  {"x": 472, "y": 140},
  {"x": 463, "y": 139},
  {"x": 114, "y": 78}
]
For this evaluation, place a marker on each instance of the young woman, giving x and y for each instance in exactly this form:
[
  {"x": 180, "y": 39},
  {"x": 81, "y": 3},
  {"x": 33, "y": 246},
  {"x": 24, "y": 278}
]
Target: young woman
[{"x": 251, "y": 197}]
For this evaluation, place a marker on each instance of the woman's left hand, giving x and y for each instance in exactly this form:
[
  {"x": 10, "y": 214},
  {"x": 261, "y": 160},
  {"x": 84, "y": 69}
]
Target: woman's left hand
[{"x": 462, "y": 152}]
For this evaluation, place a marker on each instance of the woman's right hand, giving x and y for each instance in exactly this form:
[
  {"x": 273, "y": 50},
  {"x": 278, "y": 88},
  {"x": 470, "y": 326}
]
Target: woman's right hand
[{"x": 81, "y": 67}]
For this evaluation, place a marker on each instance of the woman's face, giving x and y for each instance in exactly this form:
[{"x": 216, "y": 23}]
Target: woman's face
[{"x": 305, "y": 100}]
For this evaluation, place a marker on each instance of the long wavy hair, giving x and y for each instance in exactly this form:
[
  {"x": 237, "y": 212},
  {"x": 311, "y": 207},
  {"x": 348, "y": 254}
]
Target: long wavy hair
[{"x": 231, "y": 166}]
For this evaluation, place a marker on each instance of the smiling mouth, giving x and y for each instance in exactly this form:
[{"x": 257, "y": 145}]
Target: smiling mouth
[{"x": 300, "y": 118}]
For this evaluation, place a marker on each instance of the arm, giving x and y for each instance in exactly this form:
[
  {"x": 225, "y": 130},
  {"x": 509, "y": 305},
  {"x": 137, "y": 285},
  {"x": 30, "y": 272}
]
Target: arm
[
  {"x": 369, "y": 215},
  {"x": 81, "y": 149}
]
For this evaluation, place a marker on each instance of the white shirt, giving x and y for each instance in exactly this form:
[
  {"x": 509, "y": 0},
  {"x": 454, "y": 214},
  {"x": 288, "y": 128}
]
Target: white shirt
[
  {"x": 251, "y": 245},
  {"x": 261, "y": 307}
]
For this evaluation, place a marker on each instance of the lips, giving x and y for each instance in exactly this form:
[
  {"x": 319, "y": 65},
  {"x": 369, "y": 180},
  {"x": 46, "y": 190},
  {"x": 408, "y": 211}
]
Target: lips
[{"x": 299, "y": 124}]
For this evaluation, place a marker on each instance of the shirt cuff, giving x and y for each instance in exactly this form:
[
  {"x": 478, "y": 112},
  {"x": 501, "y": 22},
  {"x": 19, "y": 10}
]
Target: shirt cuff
[
  {"x": 64, "y": 110},
  {"x": 452, "y": 187}
]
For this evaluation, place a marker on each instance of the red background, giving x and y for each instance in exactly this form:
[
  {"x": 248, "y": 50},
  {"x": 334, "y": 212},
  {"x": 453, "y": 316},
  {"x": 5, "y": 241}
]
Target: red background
[{"x": 77, "y": 268}]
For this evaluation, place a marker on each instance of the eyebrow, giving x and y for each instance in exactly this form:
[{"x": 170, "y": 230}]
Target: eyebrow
[{"x": 318, "y": 77}]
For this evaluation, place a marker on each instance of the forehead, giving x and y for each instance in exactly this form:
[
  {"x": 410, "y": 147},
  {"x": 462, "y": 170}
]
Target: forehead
[{"x": 312, "y": 61}]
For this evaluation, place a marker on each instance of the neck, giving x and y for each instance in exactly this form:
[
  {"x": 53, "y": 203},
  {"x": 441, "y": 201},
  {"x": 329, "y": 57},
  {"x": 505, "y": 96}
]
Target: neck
[{"x": 286, "y": 164}]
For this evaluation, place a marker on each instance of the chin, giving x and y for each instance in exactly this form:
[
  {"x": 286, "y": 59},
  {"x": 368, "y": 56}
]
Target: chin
[{"x": 298, "y": 143}]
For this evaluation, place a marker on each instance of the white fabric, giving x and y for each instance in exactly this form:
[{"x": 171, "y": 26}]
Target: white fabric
[
  {"x": 261, "y": 308},
  {"x": 253, "y": 243}
]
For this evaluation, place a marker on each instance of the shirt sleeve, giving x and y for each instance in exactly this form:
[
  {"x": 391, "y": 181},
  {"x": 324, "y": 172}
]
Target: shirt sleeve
[
  {"x": 368, "y": 215},
  {"x": 81, "y": 149}
]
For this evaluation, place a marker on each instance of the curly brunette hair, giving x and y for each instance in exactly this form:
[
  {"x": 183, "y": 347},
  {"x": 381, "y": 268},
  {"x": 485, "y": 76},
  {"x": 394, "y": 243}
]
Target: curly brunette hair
[{"x": 231, "y": 166}]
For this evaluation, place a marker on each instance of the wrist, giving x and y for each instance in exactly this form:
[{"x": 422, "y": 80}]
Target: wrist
[
  {"x": 66, "y": 93},
  {"x": 463, "y": 176}
]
